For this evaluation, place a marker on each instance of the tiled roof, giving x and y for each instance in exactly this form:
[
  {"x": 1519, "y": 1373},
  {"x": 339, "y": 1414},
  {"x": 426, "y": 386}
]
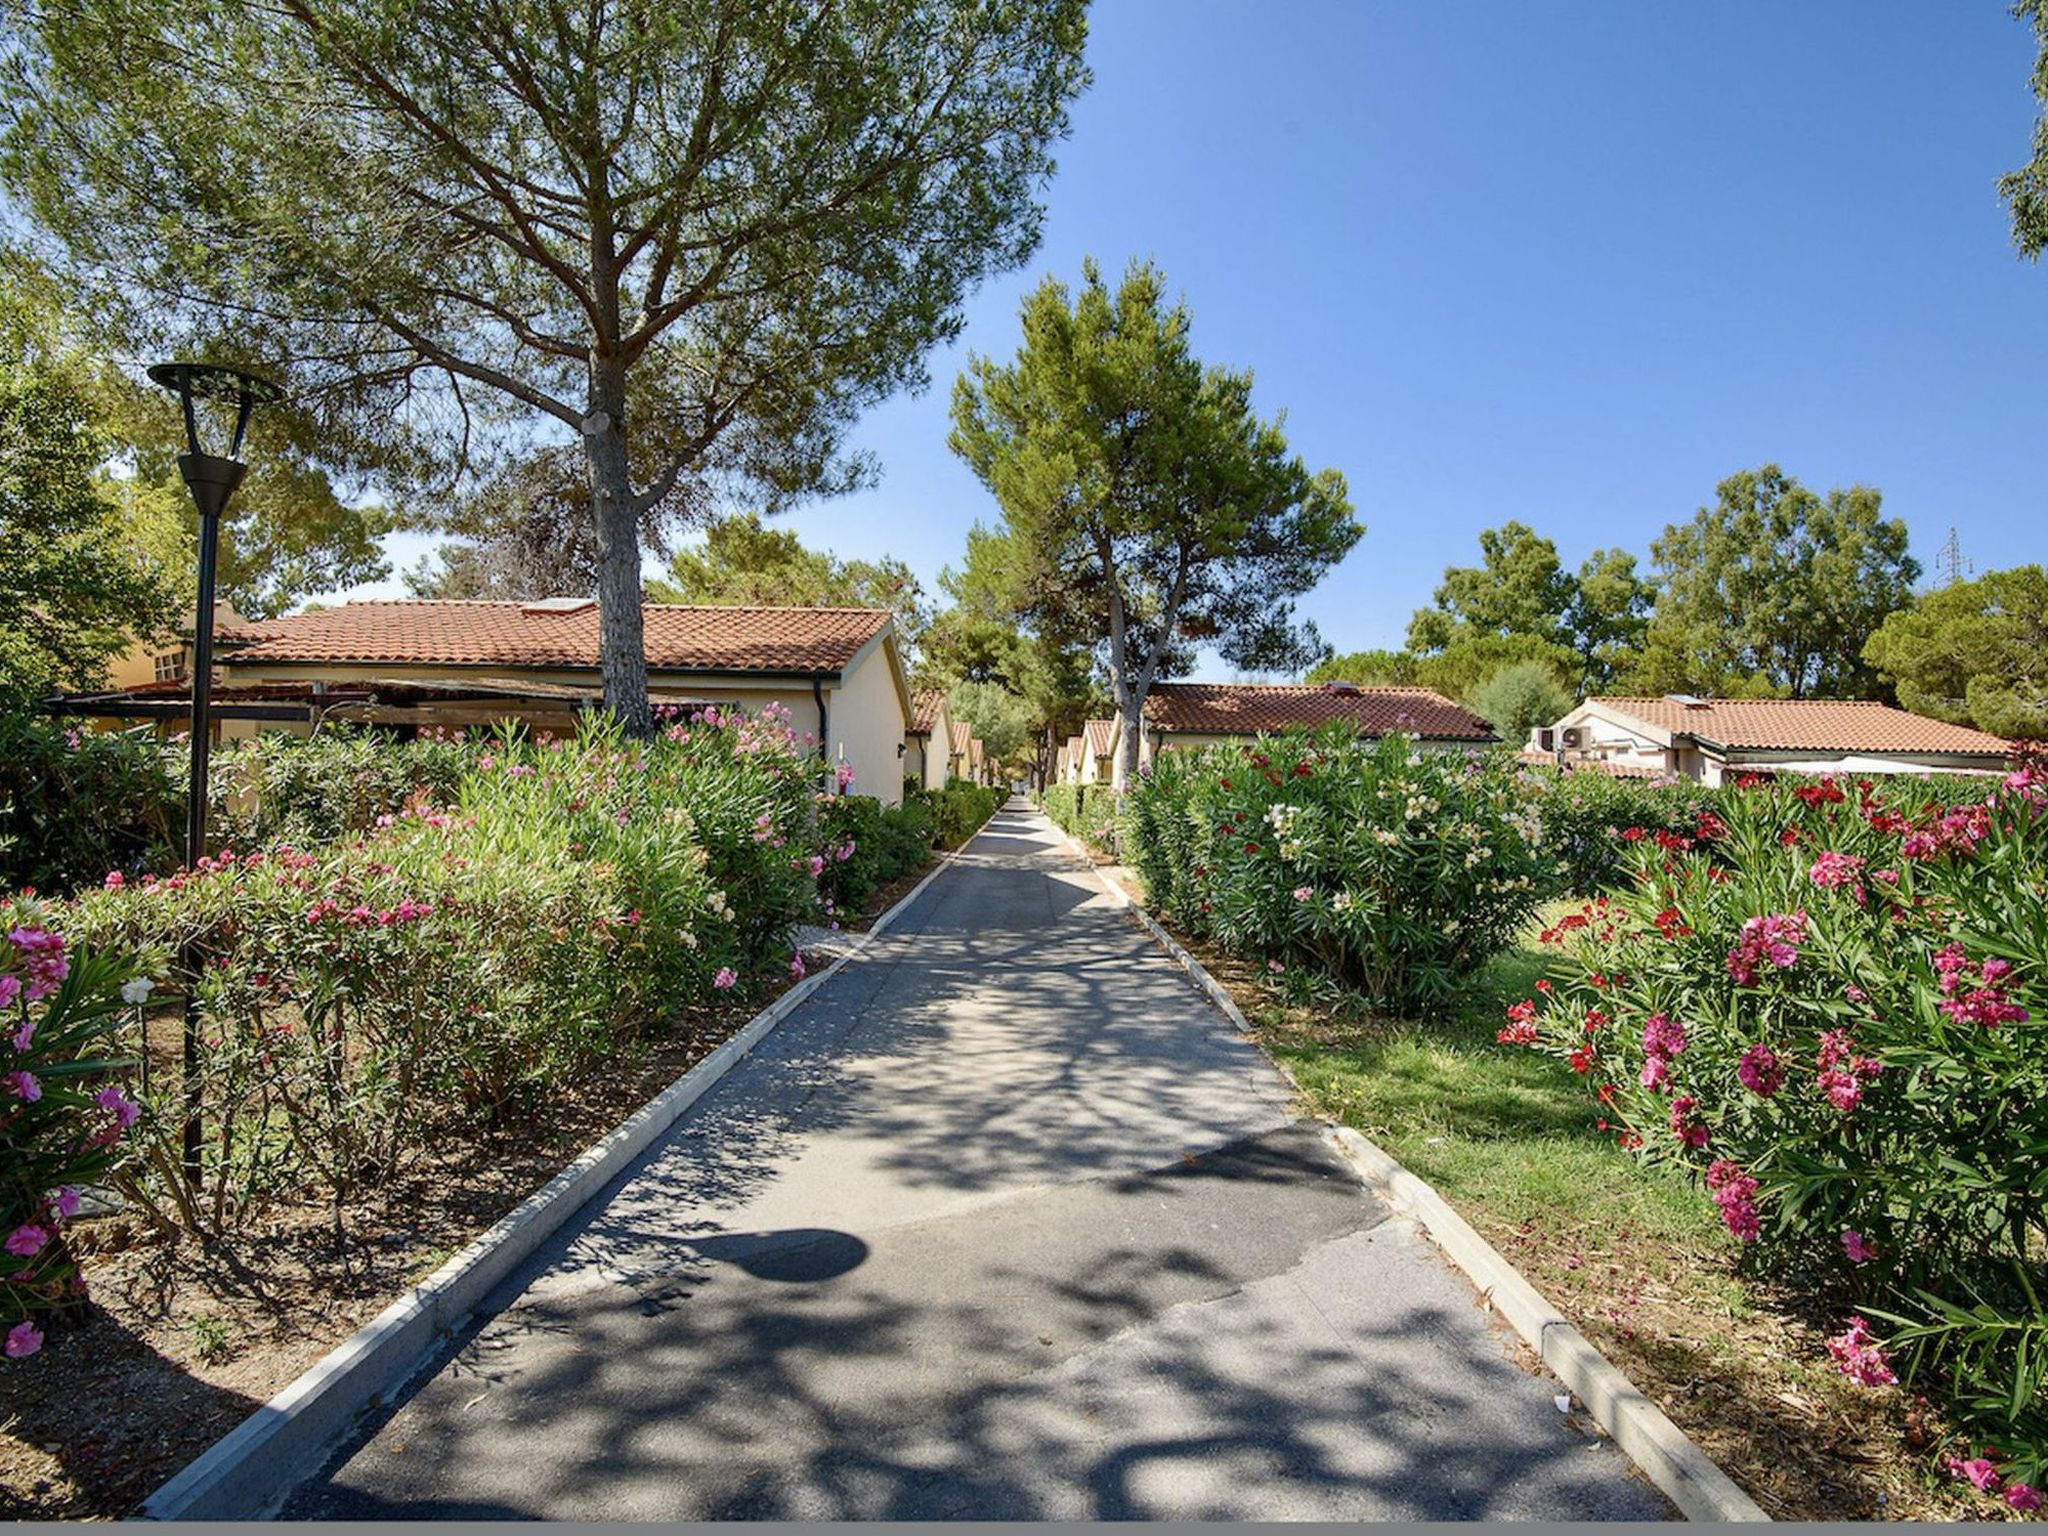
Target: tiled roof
[
  {"x": 1806, "y": 725},
  {"x": 1101, "y": 734},
  {"x": 925, "y": 705},
  {"x": 557, "y": 634},
  {"x": 962, "y": 734},
  {"x": 1243, "y": 709}
]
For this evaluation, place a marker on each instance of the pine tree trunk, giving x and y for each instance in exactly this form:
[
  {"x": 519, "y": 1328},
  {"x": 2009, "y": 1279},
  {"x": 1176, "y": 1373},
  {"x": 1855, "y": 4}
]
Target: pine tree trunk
[{"x": 622, "y": 648}]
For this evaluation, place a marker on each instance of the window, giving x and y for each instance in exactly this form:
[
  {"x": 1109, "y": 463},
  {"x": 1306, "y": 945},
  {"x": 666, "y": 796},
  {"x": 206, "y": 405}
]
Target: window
[{"x": 170, "y": 666}]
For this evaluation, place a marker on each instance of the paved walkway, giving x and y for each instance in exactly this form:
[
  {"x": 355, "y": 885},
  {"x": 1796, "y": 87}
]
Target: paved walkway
[{"x": 1003, "y": 1222}]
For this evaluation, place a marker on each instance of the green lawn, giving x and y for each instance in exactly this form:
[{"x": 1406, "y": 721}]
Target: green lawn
[{"x": 1491, "y": 1126}]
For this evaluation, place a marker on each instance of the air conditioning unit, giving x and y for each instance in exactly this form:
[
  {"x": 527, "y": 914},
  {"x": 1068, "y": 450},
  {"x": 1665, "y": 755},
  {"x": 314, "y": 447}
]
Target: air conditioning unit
[
  {"x": 1574, "y": 736},
  {"x": 1546, "y": 738}
]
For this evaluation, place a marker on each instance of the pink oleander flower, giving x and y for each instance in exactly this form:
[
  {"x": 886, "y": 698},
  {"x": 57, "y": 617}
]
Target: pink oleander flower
[
  {"x": 44, "y": 964},
  {"x": 124, "y": 1109},
  {"x": 24, "y": 1086},
  {"x": 23, "y": 1340},
  {"x": 725, "y": 980},
  {"x": 65, "y": 1203},
  {"x": 817, "y": 866},
  {"x": 1760, "y": 1070},
  {"x": 1831, "y": 871},
  {"x": 115, "y": 880},
  {"x": 1688, "y": 1130},
  {"x": 2023, "y": 1498},
  {"x": 1735, "y": 1193},
  {"x": 1977, "y": 1472},
  {"x": 1853, "y": 1244},
  {"x": 25, "y": 1035},
  {"x": 27, "y": 1240},
  {"x": 1663, "y": 1036},
  {"x": 10, "y": 989},
  {"x": 1772, "y": 940},
  {"x": 796, "y": 966},
  {"x": 1860, "y": 1357},
  {"x": 1302, "y": 893}
]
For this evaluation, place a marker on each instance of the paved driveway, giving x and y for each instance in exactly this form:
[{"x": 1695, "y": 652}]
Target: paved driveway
[{"x": 1003, "y": 1222}]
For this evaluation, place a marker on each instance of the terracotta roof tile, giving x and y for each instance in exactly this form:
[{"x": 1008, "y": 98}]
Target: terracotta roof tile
[
  {"x": 1101, "y": 736},
  {"x": 1806, "y": 725},
  {"x": 962, "y": 734},
  {"x": 507, "y": 634},
  {"x": 925, "y": 705},
  {"x": 1243, "y": 709}
]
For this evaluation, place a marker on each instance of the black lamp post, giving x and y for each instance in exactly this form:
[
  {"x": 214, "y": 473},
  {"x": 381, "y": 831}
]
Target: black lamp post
[{"x": 212, "y": 478}]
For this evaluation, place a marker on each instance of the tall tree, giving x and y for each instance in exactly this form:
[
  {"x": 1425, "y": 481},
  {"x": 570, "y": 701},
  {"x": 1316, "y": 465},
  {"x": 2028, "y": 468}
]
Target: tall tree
[
  {"x": 1379, "y": 668},
  {"x": 743, "y": 561},
  {"x": 1519, "y": 588},
  {"x": 1150, "y": 509},
  {"x": 525, "y": 532},
  {"x": 289, "y": 532},
  {"x": 1775, "y": 589},
  {"x": 695, "y": 239},
  {"x": 1607, "y": 617},
  {"x": 1975, "y": 653},
  {"x": 1519, "y": 696},
  {"x": 2026, "y": 190},
  {"x": 75, "y": 582}
]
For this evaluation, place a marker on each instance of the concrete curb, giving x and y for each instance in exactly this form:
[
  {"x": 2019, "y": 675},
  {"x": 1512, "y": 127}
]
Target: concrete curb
[
  {"x": 250, "y": 1471},
  {"x": 1679, "y": 1469}
]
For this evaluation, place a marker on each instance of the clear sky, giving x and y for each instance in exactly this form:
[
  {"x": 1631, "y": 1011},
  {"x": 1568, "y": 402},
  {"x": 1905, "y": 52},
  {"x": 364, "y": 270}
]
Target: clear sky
[{"x": 1570, "y": 263}]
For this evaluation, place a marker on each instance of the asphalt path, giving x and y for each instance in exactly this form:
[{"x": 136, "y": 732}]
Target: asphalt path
[{"x": 1003, "y": 1222}]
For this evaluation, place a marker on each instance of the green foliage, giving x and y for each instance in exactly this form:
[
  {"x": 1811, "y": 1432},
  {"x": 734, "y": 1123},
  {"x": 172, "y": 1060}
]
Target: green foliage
[
  {"x": 1518, "y": 697},
  {"x": 1003, "y": 720},
  {"x": 76, "y": 803},
  {"x": 1394, "y": 871},
  {"x": 1383, "y": 668},
  {"x": 1520, "y": 604},
  {"x": 59, "y": 1016},
  {"x": 75, "y": 582},
  {"x": 1585, "y": 813},
  {"x": 960, "y": 810},
  {"x": 1775, "y": 590},
  {"x": 1146, "y": 507},
  {"x": 702, "y": 239},
  {"x": 744, "y": 562},
  {"x": 2026, "y": 190},
  {"x": 548, "y": 908},
  {"x": 1090, "y": 812},
  {"x": 1856, "y": 986},
  {"x": 1975, "y": 653},
  {"x": 865, "y": 844},
  {"x": 339, "y": 782}
]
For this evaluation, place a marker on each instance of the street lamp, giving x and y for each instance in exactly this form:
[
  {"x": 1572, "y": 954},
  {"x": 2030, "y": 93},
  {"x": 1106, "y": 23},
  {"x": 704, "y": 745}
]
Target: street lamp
[{"x": 212, "y": 478}]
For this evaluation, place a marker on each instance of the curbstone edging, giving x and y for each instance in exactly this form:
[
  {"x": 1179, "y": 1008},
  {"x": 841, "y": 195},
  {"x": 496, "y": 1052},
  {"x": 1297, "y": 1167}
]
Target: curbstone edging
[
  {"x": 1679, "y": 1469},
  {"x": 248, "y": 1473}
]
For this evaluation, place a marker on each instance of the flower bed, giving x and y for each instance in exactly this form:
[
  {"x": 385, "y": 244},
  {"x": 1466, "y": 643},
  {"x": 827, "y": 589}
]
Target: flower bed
[
  {"x": 1826, "y": 1007},
  {"x": 1391, "y": 870}
]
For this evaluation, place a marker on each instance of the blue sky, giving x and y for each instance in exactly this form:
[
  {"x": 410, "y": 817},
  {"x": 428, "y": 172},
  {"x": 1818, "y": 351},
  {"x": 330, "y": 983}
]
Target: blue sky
[{"x": 1571, "y": 263}]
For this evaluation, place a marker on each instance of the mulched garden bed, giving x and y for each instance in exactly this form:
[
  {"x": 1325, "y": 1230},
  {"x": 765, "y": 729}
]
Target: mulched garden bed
[{"x": 183, "y": 1340}]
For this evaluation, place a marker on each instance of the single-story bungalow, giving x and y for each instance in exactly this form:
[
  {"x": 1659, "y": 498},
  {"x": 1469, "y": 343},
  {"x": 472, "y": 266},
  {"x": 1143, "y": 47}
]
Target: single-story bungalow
[
  {"x": 1186, "y": 715},
  {"x": 407, "y": 664},
  {"x": 928, "y": 765},
  {"x": 1097, "y": 745},
  {"x": 1709, "y": 740}
]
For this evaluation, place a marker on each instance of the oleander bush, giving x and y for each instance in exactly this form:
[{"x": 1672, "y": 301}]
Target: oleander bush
[
  {"x": 864, "y": 844},
  {"x": 1393, "y": 870},
  {"x": 1091, "y": 812},
  {"x": 562, "y": 904},
  {"x": 62, "y": 1122},
  {"x": 1585, "y": 811},
  {"x": 303, "y": 790},
  {"x": 1826, "y": 1000},
  {"x": 75, "y": 803},
  {"x": 961, "y": 809}
]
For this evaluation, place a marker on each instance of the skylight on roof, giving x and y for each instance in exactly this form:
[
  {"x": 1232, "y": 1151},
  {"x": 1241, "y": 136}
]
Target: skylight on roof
[{"x": 558, "y": 605}]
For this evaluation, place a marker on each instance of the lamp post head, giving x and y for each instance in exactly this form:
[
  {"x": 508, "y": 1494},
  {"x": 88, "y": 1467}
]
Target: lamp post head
[{"x": 212, "y": 478}]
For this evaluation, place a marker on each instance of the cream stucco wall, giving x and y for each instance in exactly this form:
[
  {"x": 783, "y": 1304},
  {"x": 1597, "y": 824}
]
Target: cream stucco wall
[{"x": 868, "y": 716}]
